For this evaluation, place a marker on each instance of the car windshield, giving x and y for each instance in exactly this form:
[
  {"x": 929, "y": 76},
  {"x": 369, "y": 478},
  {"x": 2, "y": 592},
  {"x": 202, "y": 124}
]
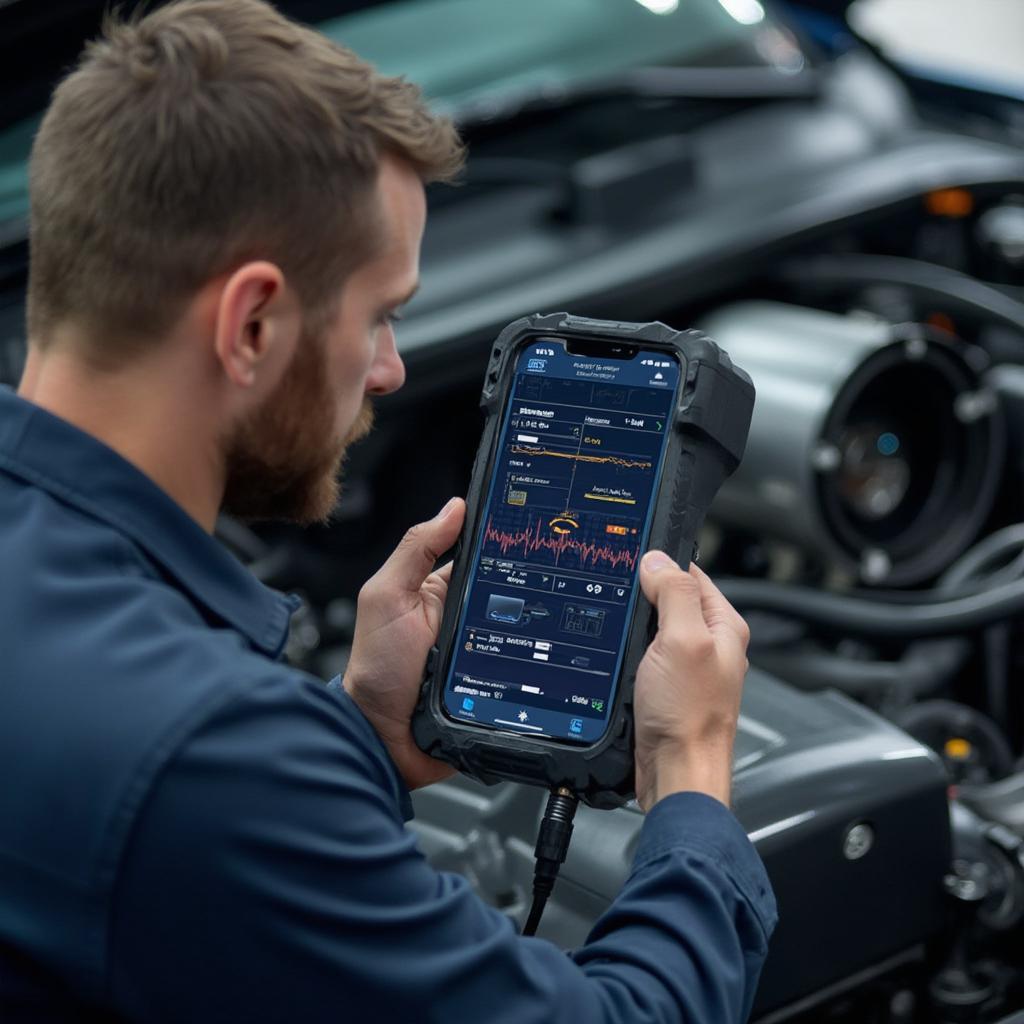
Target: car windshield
[{"x": 469, "y": 51}]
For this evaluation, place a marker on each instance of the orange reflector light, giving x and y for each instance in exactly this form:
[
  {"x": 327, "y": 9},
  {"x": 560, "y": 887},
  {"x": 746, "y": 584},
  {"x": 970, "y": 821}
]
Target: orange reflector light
[
  {"x": 943, "y": 322},
  {"x": 958, "y": 748},
  {"x": 949, "y": 202}
]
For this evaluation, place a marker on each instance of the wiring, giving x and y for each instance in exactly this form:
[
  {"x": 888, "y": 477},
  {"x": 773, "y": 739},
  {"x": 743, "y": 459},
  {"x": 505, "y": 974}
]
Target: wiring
[{"x": 550, "y": 852}]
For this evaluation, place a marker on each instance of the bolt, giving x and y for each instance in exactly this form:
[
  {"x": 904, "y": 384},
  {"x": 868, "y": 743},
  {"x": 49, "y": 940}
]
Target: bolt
[
  {"x": 875, "y": 565},
  {"x": 971, "y": 406},
  {"x": 826, "y": 457},
  {"x": 858, "y": 841},
  {"x": 916, "y": 349}
]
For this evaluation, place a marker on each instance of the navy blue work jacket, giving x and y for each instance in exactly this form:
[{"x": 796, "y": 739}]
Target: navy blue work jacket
[{"x": 192, "y": 831}]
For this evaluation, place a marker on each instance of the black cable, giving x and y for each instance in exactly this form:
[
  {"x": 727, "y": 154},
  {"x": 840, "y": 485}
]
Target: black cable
[
  {"x": 853, "y": 616},
  {"x": 997, "y": 644},
  {"x": 956, "y": 605},
  {"x": 982, "y": 562},
  {"x": 552, "y": 846},
  {"x": 924, "y": 668},
  {"x": 927, "y": 664},
  {"x": 948, "y": 288}
]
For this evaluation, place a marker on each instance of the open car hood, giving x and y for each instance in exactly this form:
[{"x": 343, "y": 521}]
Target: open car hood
[{"x": 39, "y": 41}]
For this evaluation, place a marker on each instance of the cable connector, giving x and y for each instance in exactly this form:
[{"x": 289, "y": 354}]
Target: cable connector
[{"x": 550, "y": 852}]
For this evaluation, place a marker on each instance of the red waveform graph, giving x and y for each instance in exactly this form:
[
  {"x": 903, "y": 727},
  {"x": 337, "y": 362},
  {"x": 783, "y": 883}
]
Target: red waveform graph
[{"x": 535, "y": 538}]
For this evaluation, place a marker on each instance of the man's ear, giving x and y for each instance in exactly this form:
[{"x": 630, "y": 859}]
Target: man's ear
[{"x": 253, "y": 322}]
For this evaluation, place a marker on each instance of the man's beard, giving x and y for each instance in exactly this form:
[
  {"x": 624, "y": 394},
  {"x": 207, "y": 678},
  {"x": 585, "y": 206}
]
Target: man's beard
[{"x": 283, "y": 461}]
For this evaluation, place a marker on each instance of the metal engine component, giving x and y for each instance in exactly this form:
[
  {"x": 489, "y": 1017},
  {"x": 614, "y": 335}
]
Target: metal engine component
[
  {"x": 849, "y": 814},
  {"x": 996, "y": 854},
  {"x": 877, "y": 446}
]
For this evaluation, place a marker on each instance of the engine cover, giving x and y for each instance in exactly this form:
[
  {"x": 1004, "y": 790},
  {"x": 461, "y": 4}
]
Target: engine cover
[{"x": 848, "y": 813}]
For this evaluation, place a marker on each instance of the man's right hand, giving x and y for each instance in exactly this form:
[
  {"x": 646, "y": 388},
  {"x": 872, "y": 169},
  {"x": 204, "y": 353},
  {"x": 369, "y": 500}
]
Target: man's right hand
[{"x": 688, "y": 686}]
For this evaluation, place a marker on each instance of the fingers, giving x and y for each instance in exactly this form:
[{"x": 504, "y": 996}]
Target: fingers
[
  {"x": 435, "y": 587},
  {"x": 716, "y": 608},
  {"x": 676, "y": 595},
  {"x": 413, "y": 560},
  {"x": 444, "y": 574}
]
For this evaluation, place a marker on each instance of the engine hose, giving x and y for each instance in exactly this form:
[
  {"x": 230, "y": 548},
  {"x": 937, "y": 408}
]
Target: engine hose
[
  {"x": 818, "y": 670},
  {"x": 877, "y": 619},
  {"x": 994, "y": 549},
  {"x": 922, "y": 670},
  {"x": 949, "y": 288},
  {"x": 926, "y": 665},
  {"x": 957, "y": 604}
]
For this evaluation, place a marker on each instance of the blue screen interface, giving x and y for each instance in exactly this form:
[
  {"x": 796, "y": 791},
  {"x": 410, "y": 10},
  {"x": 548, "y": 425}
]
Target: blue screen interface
[{"x": 544, "y": 622}]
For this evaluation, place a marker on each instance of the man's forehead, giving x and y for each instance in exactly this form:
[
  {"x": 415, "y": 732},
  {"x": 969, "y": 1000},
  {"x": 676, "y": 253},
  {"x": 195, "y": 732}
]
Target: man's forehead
[
  {"x": 401, "y": 215},
  {"x": 401, "y": 202},
  {"x": 392, "y": 273}
]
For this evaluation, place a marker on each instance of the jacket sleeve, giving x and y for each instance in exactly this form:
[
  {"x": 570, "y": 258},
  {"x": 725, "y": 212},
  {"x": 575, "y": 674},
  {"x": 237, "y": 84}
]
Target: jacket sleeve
[{"x": 270, "y": 877}]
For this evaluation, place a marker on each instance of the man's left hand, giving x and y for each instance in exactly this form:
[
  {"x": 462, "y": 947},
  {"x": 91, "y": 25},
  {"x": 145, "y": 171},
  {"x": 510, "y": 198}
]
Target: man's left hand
[{"x": 397, "y": 620}]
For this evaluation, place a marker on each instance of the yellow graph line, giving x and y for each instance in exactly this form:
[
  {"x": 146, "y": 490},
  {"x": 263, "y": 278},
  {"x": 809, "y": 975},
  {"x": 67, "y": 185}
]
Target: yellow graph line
[
  {"x": 606, "y": 497},
  {"x": 518, "y": 449}
]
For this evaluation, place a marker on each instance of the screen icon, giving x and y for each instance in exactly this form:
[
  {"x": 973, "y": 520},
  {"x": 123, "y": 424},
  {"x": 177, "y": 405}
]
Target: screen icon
[
  {"x": 576, "y": 725},
  {"x": 505, "y": 609},
  {"x": 467, "y": 703},
  {"x": 536, "y": 364},
  {"x": 582, "y": 619}
]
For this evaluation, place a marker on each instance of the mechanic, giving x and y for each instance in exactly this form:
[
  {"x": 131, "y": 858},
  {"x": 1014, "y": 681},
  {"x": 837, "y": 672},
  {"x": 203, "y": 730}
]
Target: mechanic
[{"x": 226, "y": 216}]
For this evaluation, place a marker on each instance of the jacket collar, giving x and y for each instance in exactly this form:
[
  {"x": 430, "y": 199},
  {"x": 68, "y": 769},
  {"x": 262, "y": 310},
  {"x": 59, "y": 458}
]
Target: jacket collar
[{"x": 81, "y": 471}]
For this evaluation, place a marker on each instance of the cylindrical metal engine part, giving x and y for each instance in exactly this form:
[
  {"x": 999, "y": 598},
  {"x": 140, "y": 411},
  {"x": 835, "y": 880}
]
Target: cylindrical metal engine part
[{"x": 875, "y": 445}]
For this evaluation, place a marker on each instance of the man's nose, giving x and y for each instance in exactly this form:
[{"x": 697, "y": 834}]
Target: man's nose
[{"x": 388, "y": 371}]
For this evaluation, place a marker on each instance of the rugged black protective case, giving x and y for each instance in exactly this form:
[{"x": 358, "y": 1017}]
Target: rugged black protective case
[{"x": 709, "y": 433}]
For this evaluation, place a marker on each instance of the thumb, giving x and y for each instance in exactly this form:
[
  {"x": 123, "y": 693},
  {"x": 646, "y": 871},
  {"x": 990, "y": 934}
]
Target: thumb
[
  {"x": 414, "y": 558},
  {"x": 676, "y": 594}
]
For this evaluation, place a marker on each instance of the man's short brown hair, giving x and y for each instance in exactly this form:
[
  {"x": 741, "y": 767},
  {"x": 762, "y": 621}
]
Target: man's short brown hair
[{"x": 204, "y": 134}]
